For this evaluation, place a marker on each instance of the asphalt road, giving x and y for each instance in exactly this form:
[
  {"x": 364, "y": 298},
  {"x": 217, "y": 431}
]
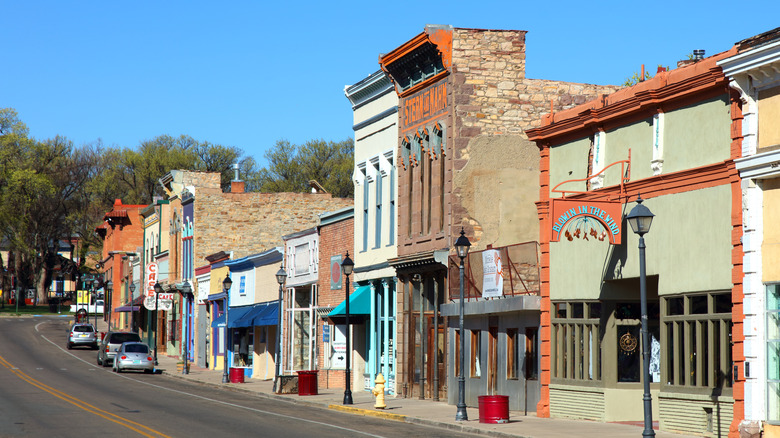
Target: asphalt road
[{"x": 49, "y": 391}]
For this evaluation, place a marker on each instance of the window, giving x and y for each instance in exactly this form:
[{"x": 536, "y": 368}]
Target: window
[
  {"x": 365, "y": 210},
  {"x": 302, "y": 259},
  {"x": 531, "y": 353},
  {"x": 697, "y": 334},
  {"x": 439, "y": 151},
  {"x": 598, "y": 155},
  {"x": 391, "y": 239},
  {"x": 476, "y": 349},
  {"x": 378, "y": 203},
  {"x": 773, "y": 352},
  {"x": 576, "y": 342},
  {"x": 512, "y": 354}
]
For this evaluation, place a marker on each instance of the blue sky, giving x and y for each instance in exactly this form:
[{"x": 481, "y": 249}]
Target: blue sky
[{"x": 247, "y": 74}]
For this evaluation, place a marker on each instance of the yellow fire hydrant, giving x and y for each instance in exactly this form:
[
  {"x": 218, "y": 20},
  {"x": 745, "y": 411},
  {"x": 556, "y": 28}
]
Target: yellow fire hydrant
[{"x": 379, "y": 392}]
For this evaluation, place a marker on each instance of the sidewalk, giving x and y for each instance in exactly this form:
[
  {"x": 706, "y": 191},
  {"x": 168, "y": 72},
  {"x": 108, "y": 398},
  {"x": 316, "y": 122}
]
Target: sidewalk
[{"x": 426, "y": 412}]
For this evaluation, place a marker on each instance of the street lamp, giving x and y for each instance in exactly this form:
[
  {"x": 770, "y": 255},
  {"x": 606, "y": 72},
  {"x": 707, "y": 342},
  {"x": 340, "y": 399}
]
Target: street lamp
[
  {"x": 346, "y": 268},
  {"x": 281, "y": 276},
  {"x": 226, "y": 287},
  {"x": 157, "y": 291},
  {"x": 462, "y": 247},
  {"x": 106, "y": 309},
  {"x": 95, "y": 284},
  {"x": 640, "y": 219},
  {"x": 186, "y": 289},
  {"x": 132, "y": 317}
]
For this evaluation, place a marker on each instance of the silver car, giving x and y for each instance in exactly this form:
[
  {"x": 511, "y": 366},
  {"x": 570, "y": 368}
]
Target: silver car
[
  {"x": 82, "y": 334},
  {"x": 133, "y": 356}
]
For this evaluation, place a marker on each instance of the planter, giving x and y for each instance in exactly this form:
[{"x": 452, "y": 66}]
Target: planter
[{"x": 493, "y": 408}]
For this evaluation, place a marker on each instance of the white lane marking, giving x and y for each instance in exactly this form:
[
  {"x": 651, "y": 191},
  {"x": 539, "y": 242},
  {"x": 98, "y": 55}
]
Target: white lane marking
[{"x": 259, "y": 411}]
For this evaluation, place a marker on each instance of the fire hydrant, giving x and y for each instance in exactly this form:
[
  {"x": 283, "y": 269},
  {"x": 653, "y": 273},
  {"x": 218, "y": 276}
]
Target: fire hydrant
[{"x": 379, "y": 392}]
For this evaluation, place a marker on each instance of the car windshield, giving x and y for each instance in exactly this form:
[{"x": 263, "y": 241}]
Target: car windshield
[
  {"x": 83, "y": 328},
  {"x": 137, "y": 348},
  {"x": 118, "y": 338}
]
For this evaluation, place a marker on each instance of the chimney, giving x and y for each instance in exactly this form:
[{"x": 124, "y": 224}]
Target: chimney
[
  {"x": 236, "y": 186},
  {"x": 698, "y": 55}
]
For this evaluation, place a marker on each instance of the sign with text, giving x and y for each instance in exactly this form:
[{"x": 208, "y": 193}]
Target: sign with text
[
  {"x": 492, "y": 274},
  {"x": 150, "y": 281},
  {"x": 586, "y": 220},
  {"x": 424, "y": 105}
]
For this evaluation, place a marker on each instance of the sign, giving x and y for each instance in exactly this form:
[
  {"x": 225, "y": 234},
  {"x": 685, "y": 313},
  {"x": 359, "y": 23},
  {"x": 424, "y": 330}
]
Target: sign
[
  {"x": 338, "y": 347},
  {"x": 151, "y": 280},
  {"x": 325, "y": 334},
  {"x": 586, "y": 220},
  {"x": 492, "y": 274},
  {"x": 82, "y": 297},
  {"x": 335, "y": 272},
  {"x": 424, "y": 105}
]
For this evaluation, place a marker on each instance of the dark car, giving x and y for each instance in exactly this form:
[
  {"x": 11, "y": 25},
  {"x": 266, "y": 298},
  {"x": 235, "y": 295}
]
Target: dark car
[
  {"x": 111, "y": 343},
  {"x": 82, "y": 334}
]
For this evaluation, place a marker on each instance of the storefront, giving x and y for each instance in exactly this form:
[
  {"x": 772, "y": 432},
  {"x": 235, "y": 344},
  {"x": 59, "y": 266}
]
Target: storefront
[{"x": 596, "y": 160}]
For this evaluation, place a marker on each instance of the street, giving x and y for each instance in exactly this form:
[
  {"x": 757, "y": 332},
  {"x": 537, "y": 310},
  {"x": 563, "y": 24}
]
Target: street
[{"x": 51, "y": 391}]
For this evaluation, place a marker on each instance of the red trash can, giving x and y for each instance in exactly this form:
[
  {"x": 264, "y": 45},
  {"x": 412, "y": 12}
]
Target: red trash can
[
  {"x": 493, "y": 408},
  {"x": 236, "y": 375},
  {"x": 307, "y": 382}
]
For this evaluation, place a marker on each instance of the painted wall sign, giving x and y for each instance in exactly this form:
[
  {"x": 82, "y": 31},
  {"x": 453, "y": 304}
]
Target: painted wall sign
[
  {"x": 587, "y": 220},
  {"x": 424, "y": 105}
]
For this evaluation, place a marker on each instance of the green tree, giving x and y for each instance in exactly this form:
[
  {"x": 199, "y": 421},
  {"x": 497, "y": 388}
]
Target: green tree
[{"x": 291, "y": 167}]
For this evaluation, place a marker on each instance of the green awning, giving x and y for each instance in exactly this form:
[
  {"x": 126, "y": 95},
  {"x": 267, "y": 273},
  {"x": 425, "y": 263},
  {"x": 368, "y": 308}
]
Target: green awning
[{"x": 359, "y": 303}]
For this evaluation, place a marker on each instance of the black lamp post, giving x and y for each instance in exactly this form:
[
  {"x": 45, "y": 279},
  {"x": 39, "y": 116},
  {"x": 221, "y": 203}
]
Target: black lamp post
[
  {"x": 157, "y": 291},
  {"x": 462, "y": 246},
  {"x": 226, "y": 287},
  {"x": 132, "y": 313},
  {"x": 640, "y": 219},
  {"x": 106, "y": 307},
  {"x": 186, "y": 289},
  {"x": 95, "y": 284},
  {"x": 281, "y": 277},
  {"x": 346, "y": 267}
]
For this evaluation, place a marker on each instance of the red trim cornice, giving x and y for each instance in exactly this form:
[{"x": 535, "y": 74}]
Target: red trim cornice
[{"x": 665, "y": 92}]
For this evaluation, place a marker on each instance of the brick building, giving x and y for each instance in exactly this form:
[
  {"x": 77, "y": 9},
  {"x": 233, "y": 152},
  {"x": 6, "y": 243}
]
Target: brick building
[
  {"x": 121, "y": 231},
  {"x": 464, "y": 162}
]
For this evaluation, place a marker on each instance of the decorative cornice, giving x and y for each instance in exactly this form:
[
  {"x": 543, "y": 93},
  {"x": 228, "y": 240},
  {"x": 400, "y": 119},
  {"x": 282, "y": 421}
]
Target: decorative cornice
[{"x": 666, "y": 91}]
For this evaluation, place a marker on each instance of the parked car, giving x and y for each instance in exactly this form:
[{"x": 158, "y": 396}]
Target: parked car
[
  {"x": 111, "y": 343},
  {"x": 82, "y": 334},
  {"x": 133, "y": 356}
]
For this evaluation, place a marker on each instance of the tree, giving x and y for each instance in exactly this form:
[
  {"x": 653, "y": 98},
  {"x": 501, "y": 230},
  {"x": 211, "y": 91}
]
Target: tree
[{"x": 291, "y": 167}]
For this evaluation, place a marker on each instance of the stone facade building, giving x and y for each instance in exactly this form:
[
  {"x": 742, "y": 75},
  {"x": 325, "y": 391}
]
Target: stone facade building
[{"x": 464, "y": 162}]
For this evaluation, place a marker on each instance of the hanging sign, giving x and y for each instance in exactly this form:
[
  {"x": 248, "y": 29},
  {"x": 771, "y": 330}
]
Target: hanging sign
[
  {"x": 492, "y": 274},
  {"x": 151, "y": 280},
  {"x": 586, "y": 220}
]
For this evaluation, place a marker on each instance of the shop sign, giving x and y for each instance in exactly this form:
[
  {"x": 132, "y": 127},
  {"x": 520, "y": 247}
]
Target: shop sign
[
  {"x": 586, "y": 220},
  {"x": 151, "y": 280},
  {"x": 424, "y": 105},
  {"x": 492, "y": 274}
]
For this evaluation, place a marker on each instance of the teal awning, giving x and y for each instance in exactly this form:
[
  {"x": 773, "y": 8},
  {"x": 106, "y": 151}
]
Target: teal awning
[{"x": 359, "y": 303}]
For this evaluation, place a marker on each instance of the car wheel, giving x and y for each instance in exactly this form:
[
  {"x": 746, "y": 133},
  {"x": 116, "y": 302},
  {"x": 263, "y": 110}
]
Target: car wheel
[
  {"x": 147, "y": 371},
  {"x": 70, "y": 347},
  {"x": 105, "y": 362},
  {"x": 99, "y": 362}
]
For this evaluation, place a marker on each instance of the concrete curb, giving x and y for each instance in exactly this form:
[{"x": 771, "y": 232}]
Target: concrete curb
[{"x": 369, "y": 413}]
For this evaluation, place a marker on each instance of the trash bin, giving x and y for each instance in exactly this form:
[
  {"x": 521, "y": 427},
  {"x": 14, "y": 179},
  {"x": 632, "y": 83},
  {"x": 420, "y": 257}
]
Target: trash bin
[
  {"x": 493, "y": 408},
  {"x": 307, "y": 382},
  {"x": 236, "y": 375}
]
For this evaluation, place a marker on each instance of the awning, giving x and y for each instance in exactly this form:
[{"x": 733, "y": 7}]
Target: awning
[
  {"x": 261, "y": 314},
  {"x": 236, "y": 313},
  {"x": 218, "y": 321},
  {"x": 134, "y": 307},
  {"x": 359, "y": 303}
]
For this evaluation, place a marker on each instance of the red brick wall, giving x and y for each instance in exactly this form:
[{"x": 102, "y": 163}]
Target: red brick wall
[{"x": 335, "y": 239}]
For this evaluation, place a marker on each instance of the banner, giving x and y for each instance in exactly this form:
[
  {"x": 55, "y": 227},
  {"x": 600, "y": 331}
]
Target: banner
[{"x": 492, "y": 274}]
